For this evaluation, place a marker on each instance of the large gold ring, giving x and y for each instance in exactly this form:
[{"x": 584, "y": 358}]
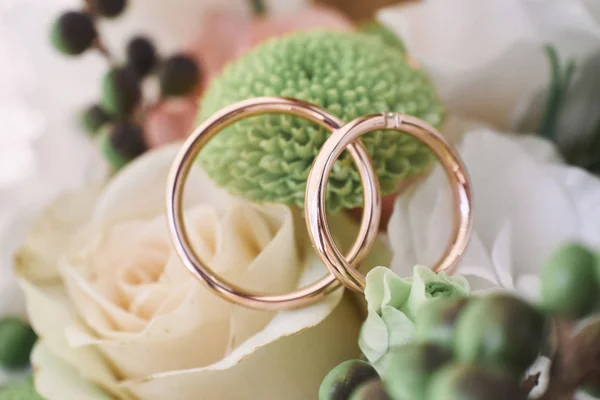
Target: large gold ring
[
  {"x": 315, "y": 210},
  {"x": 181, "y": 168}
]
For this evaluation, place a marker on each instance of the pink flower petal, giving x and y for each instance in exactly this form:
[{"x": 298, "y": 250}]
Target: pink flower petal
[
  {"x": 316, "y": 17},
  {"x": 170, "y": 121}
]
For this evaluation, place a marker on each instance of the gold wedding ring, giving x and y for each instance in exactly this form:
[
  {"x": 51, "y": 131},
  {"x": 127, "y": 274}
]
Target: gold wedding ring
[
  {"x": 315, "y": 210},
  {"x": 343, "y": 137},
  {"x": 185, "y": 160}
]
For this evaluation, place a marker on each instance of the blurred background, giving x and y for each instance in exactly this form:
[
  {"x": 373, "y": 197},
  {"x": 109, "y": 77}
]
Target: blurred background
[{"x": 471, "y": 57}]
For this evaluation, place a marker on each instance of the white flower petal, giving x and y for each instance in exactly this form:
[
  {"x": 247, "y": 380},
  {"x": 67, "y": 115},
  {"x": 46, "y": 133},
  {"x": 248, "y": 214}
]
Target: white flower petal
[
  {"x": 37, "y": 259},
  {"x": 488, "y": 61},
  {"x": 529, "y": 285},
  {"x": 50, "y": 315},
  {"x": 501, "y": 256},
  {"x": 138, "y": 190},
  {"x": 524, "y": 207},
  {"x": 55, "y": 379},
  {"x": 291, "y": 366},
  {"x": 584, "y": 189}
]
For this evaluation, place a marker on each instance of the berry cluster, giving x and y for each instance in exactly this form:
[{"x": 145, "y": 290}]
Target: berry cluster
[
  {"x": 118, "y": 118},
  {"x": 480, "y": 347}
]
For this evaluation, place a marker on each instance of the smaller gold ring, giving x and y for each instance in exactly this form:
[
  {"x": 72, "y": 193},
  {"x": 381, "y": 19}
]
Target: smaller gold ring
[
  {"x": 314, "y": 209},
  {"x": 183, "y": 163}
]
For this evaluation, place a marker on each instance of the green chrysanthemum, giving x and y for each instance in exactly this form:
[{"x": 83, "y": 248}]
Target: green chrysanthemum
[
  {"x": 381, "y": 32},
  {"x": 268, "y": 158}
]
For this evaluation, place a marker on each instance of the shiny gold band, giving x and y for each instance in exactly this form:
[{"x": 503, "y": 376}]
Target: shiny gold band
[
  {"x": 315, "y": 211},
  {"x": 181, "y": 168},
  {"x": 342, "y": 269}
]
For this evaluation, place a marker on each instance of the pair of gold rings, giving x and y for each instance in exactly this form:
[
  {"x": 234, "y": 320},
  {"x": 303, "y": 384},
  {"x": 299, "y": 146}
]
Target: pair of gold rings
[{"x": 343, "y": 268}]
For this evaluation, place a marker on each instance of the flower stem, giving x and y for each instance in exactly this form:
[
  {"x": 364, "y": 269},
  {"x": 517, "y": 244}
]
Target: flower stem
[{"x": 560, "y": 81}]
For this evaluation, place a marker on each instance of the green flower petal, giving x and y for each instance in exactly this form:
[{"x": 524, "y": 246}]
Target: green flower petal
[
  {"x": 400, "y": 328},
  {"x": 385, "y": 288},
  {"x": 373, "y": 338},
  {"x": 393, "y": 302},
  {"x": 427, "y": 285},
  {"x": 267, "y": 158}
]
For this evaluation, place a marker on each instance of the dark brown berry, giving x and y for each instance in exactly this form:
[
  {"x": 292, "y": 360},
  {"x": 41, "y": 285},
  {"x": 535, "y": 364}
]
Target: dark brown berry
[
  {"x": 179, "y": 76},
  {"x": 122, "y": 143},
  {"x": 501, "y": 331},
  {"x": 94, "y": 118},
  {"x": 341, "y": 381},
  {"x": 141, "y": 55},
  {"x": 121, "y": 91},
  {"x": 108, "y": 8},
  {"x": 470, "y": 382},
  {"x": 73, "y": 33}
]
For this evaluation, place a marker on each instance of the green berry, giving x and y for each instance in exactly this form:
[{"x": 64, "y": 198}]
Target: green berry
[
  {"x": 141, "y": 55},
  {"x": 179, "y": 76},
  {"x": 341, "y": 381},
  {"x": 73, "y": 33},
  {"x": 108, "y": 8},
  {"x": 499, "y": 331},
  {"x": 371, "y": 390},
  {"x": 267, "y": 158},
  {"x": 406, "y": 369},
  {"x": 20, "y": 390},
  {"x": 435, "y": 322},
  {"x": 122, "y": 143},
  {"x": 16, "y": 341},
  {"x": 470, "y": 382},
  {"x": 94, "y": 118},
  {"x": 569, "y": 283},
  {"x": 121, "y": 91}
]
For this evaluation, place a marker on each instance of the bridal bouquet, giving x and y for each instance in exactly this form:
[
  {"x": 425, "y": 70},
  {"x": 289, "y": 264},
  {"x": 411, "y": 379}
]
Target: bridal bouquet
[{"x": 95, "y": 302}]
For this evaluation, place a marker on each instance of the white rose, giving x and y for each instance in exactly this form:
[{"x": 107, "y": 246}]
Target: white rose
[
  {"x": 487, "y": 58},
  {"x": 526, "y": 203},
  {"x": 118, "y": 313}
]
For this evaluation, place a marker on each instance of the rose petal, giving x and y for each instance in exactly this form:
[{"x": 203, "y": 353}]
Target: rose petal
[
  {"x": 296, "y": 357},
  {"x": 37, "y": 259},
  {"x": 55, "y": 379},
  {"x": 51, "y": 316},
  {"x": 138, "y": 190}
]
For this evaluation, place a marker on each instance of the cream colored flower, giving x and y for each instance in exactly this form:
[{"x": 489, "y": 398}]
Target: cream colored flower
[
  {"x": 526, "y": 203},
  {"x": 120, "y": 317},
  {"x": 487, "y": 57}
]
